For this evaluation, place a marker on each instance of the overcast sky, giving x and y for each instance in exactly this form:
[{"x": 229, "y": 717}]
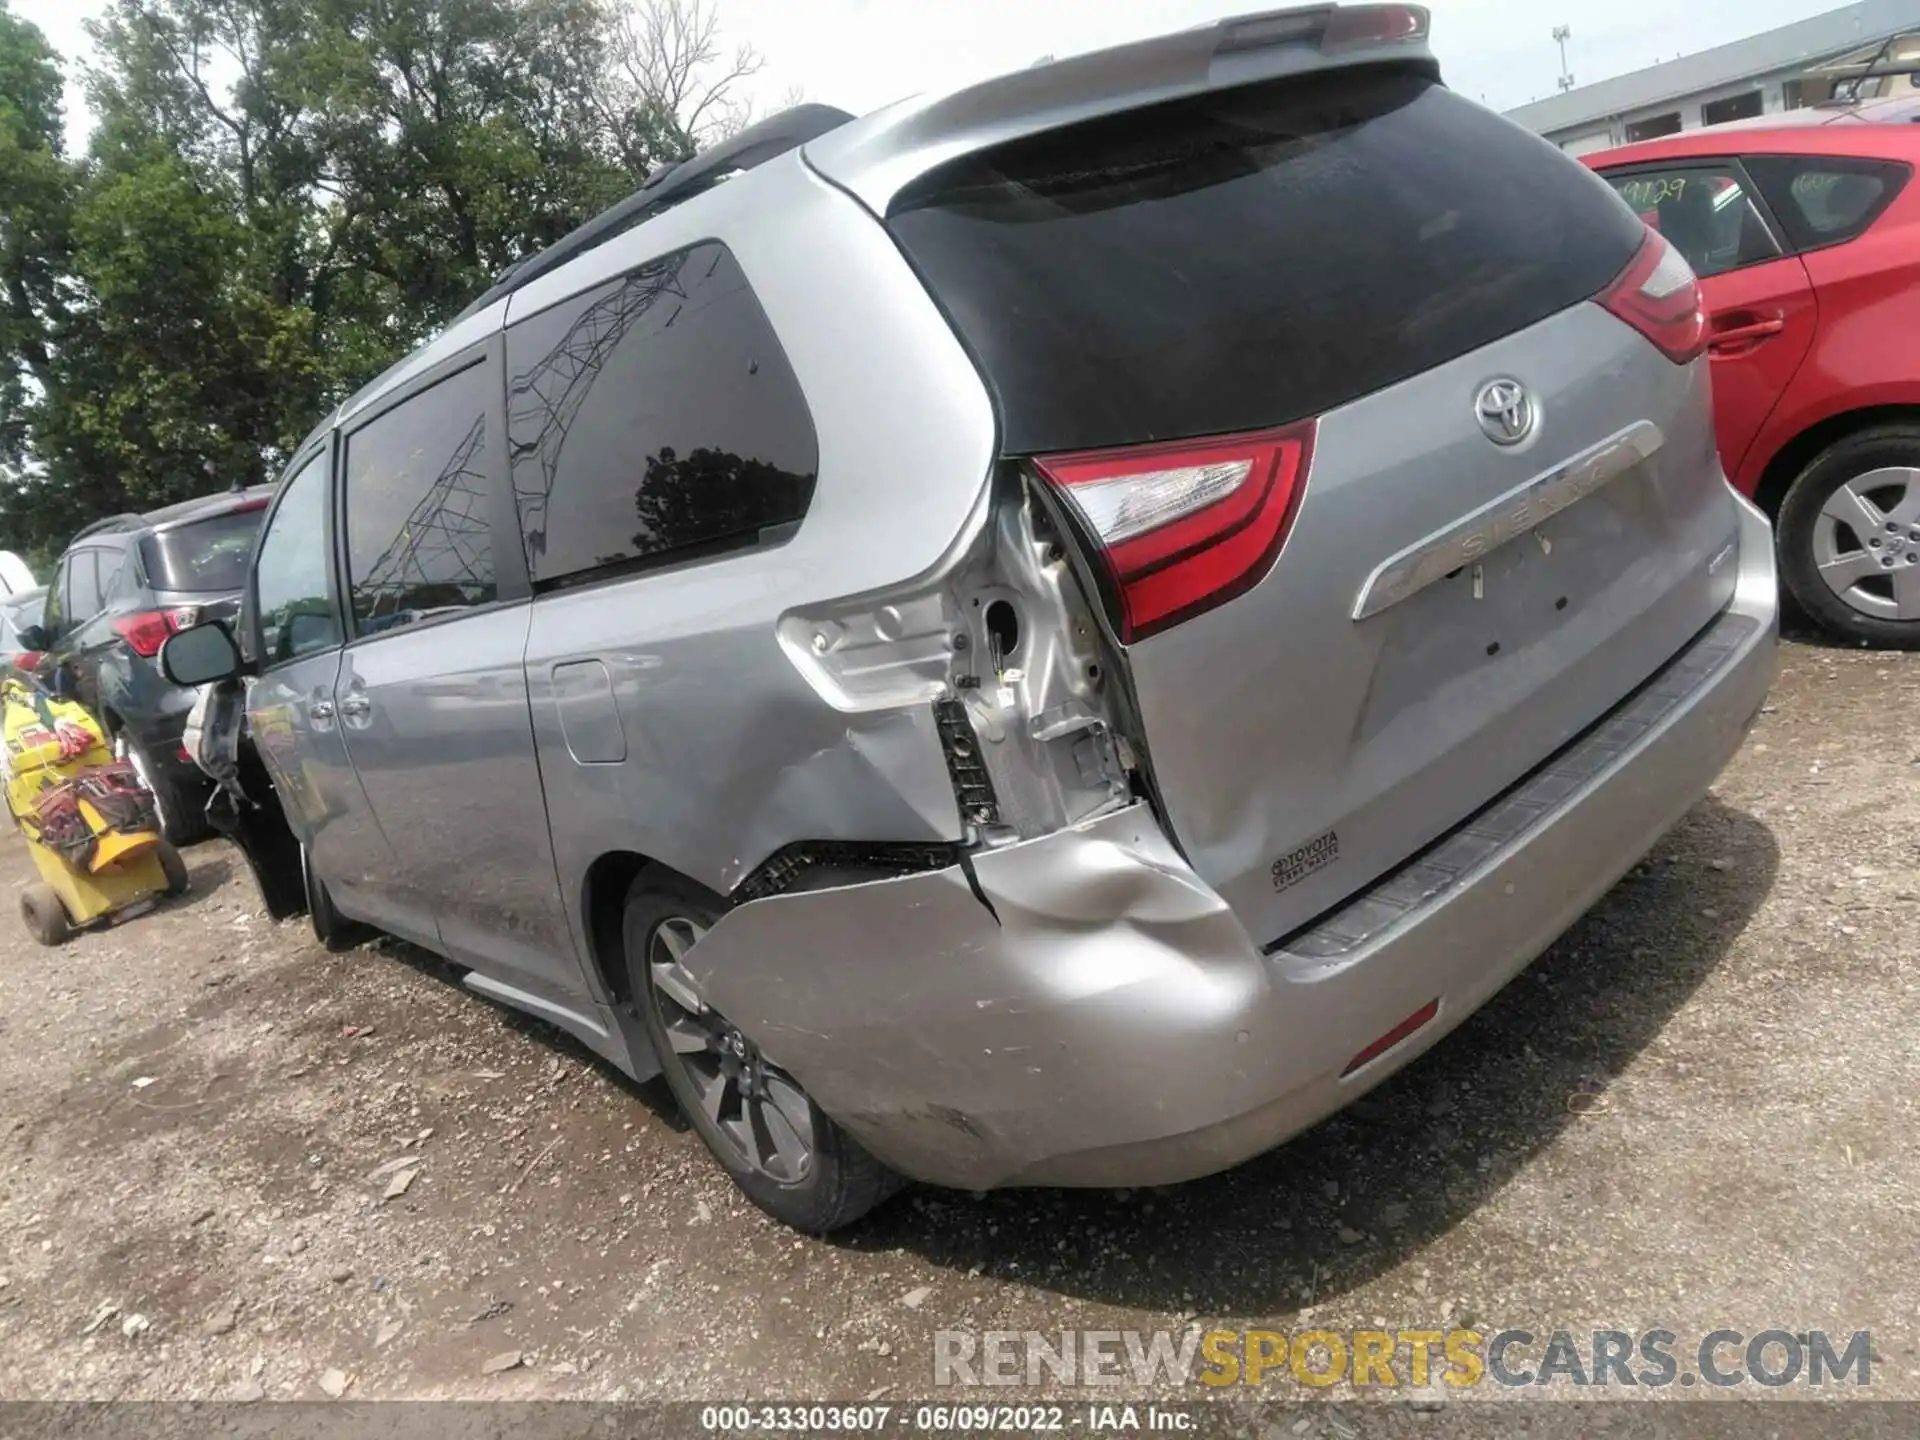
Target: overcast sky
[{"x": 859, "y": 54}]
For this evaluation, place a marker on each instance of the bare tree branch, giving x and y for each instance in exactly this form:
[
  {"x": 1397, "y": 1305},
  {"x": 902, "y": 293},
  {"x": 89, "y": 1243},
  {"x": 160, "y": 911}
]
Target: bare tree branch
[
  {"x": 668, "y": 60},
  {"x": 189, "y": 69}
]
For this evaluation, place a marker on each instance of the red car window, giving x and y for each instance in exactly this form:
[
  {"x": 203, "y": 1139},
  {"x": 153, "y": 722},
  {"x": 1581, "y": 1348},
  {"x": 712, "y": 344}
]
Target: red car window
[{"x": 1704, "y": 210}]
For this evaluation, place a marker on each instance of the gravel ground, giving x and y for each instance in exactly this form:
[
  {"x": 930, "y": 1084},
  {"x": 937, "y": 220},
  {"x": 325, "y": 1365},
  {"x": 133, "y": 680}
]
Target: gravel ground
[{"x": 1697, "y": 1111}]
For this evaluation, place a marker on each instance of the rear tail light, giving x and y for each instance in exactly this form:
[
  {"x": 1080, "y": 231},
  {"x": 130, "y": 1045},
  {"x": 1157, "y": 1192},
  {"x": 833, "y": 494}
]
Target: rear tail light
[
  {"x": 183, "y": 617},
  {"x": 1658, "y": 295},
  {"x": 147, "y": 631},
  {"x": 1186, "y": 526}
]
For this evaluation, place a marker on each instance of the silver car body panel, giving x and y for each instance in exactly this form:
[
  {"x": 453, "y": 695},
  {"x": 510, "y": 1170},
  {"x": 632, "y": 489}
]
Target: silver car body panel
[
  {"x": 436, "y": 723},
  {"x": 1287, "y": 796},
  {"x": 1519, "y": 512},
  {"x": 294, "y": 721},
  {"x": 1109, "y": 1020}
]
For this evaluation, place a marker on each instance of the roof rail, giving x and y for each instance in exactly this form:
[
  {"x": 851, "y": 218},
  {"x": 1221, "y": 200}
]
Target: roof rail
[
  {"x": 665, "y": 187},
  {"x": 126, "y": 520}
]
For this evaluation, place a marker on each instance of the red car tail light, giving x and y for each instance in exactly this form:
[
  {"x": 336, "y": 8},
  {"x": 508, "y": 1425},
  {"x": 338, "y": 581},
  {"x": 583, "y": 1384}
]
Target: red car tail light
[
  {"x": 1187, "y": 525},
  {"x": 146, "y": 632},
  {"x": 1658, "y": 295}
]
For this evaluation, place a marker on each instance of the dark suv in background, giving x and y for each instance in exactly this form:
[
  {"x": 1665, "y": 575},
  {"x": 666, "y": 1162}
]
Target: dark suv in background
[{"x": 121, "y": 588}]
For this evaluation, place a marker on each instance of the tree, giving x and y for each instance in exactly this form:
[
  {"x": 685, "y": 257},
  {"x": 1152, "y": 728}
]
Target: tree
[
  {"x": 711, "y": 494},
  {"x": 671, "y": 82},
  {"x": 36, "y": 204},
  {"x": 282, "y": 197}
]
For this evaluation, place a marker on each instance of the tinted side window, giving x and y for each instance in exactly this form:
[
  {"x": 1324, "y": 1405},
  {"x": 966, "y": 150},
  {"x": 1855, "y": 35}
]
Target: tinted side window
[
  {"x": 655, "y": 415},
  {"x": 204, "y": 556},
  {"x": 418, "y": 497},
  {"x": 1705, "y": 211},
  {"x": 296, "y": 614},
  {"x": 83, "y": 587},
  {"x": 54, "y": 617},
  {"x": 114, "y": 576},
  {"x": 1825, "y": 199}
]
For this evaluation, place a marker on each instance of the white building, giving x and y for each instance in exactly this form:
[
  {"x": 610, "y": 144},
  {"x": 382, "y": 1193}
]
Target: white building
[{"x": 1783, "y": 69}]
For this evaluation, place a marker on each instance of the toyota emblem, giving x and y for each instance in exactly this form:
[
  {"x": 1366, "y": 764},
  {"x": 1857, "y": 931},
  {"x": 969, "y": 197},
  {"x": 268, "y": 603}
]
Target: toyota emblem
[{"x": 1505, "y": 410}]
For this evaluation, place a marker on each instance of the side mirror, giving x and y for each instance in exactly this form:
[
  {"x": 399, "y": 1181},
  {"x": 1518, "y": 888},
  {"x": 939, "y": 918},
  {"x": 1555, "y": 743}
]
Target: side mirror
[
  {"x": 200, "y": 655},
  {"x": 35, "y": 637}
]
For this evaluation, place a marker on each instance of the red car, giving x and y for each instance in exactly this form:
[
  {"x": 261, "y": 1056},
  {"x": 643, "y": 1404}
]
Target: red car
[{"x": 1806, "y": 239}]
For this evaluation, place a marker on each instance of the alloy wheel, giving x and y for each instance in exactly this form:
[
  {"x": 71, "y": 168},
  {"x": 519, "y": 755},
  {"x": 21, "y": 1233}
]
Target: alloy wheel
[
  {"x": 759, "y": 1112},
  {"x": 1866, "y": 543}
]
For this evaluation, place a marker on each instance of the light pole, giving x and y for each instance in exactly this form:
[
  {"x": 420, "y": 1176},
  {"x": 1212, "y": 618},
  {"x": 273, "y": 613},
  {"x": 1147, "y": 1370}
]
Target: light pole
[{"x": 1561, "y": 34}]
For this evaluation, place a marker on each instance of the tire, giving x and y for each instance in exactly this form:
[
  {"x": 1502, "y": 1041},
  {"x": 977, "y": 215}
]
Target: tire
[
  {"x": 1849, "y": 537},
  {"x": 823, "y": 1182},
  {"x": 175, "y": 868},
  {"x": 45, "y": 916},
  {"x": 182, "y": 805},
  {"x": 334, "y": 931}
]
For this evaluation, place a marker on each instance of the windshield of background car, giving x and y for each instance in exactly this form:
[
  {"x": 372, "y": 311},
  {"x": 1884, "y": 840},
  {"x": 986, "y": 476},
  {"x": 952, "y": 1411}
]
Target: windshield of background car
[{"x": 203, "y": 555}]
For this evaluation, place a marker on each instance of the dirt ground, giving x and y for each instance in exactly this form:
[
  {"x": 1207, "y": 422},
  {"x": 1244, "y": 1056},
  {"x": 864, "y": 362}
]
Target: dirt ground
[{"x": 1700, "y": 1110}]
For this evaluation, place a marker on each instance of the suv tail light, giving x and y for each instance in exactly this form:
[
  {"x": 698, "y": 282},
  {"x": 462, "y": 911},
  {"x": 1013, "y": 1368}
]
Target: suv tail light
[
  {"x": 1188, "y": 525},
  {"x": 147, "y": 630},
  {"x": 1658, "y": 295}
]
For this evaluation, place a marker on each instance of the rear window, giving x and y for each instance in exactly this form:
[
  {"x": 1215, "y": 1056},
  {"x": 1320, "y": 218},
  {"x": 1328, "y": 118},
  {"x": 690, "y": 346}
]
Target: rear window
[
  {"x": 1826, "y": 199},
  {"x": 1252, "y": 256},
  {"x": 202, "y": 555}
]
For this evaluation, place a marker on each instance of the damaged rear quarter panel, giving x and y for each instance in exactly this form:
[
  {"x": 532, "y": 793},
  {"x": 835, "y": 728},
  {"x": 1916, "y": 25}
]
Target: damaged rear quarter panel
[
  {"x": 729, "y": 756},
  {"x": 953, "y": 1043}
]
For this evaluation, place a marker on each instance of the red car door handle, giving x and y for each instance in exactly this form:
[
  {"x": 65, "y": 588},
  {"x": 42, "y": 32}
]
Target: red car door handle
[{"x": 1748, "y": 333}]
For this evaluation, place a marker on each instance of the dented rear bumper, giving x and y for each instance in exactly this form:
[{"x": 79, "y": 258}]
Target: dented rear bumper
[{"x": 1096, "y": 1015}]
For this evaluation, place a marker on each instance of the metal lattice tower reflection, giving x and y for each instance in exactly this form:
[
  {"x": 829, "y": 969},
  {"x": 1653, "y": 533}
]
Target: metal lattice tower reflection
[
  {"x": 543, "y": 401},
  {"x": 446, "y": 543}
]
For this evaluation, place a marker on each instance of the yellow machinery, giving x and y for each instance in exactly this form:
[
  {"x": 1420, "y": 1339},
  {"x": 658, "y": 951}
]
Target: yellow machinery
[{"x": 89, "y": 822}]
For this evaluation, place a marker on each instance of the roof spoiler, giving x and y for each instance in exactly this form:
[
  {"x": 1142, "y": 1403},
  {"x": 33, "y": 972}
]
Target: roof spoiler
[
  {"x": 125, "y": 520},
  {"x": 876, "y": 157}
]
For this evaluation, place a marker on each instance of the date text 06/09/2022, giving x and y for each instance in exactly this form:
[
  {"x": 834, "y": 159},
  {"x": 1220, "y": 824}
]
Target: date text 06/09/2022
[{"x": 1087, "y": 1418}]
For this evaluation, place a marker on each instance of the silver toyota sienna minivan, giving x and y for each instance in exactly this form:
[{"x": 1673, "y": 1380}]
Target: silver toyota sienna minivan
[{"x": 1054, "y": 634}]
